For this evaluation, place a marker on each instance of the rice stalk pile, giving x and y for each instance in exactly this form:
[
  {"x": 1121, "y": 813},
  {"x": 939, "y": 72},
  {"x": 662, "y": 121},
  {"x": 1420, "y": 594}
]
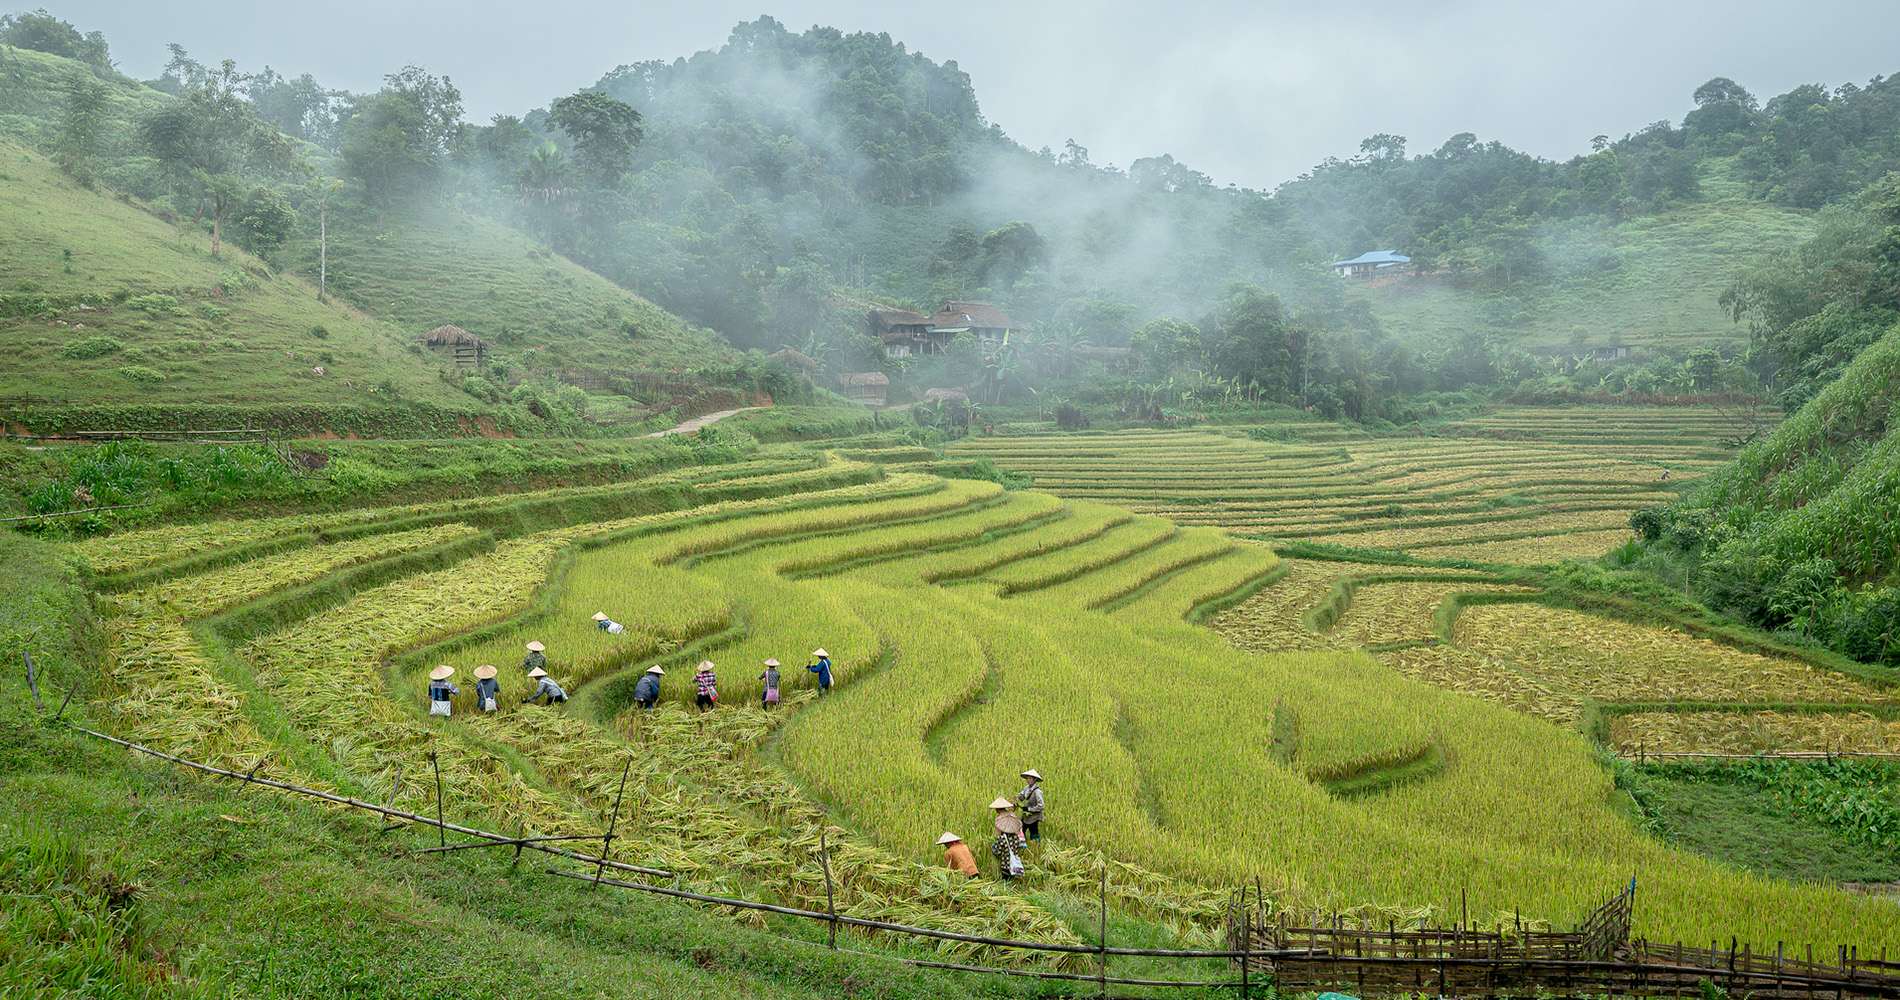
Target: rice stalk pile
[
  {"x": 1385, "y": 613},
  {"x": 209, "y": 593},
  {"x": 167, "y": 695},
  {"x": 1612, "y": 660},
  {"x": 1753, "y": 732},
  {"x": 1492, "y": 680}
]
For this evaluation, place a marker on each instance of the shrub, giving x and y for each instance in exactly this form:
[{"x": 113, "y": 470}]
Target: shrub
[
  {"x": 140, "y": 373},
  {"x": 91, "y": 347},
  {"x": 235, "y": 282},
  {"x": 320, "y": 332},
  {"x": 1070, "y": 418},
  {"x": 157, "y": 304},
  {"x": 212, "y": 310}
]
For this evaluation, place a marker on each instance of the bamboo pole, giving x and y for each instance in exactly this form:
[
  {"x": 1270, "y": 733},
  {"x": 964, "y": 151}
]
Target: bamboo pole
[
  {"x": 69, "y": 700},
  {"x": 442, "y": 834},
  {"x": 607, "y": 843},
  {"x": 67, "y": 513}
]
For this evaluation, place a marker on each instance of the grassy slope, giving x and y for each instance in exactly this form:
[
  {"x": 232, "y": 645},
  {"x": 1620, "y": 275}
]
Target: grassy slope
[
  {"x": 440, "y": 266},
  {"x": 423, "y": 269},
  {"x": 1826, "y": 481},
  {"x": 255, "y": 345},
  {"x": 1649, "y": 282}
]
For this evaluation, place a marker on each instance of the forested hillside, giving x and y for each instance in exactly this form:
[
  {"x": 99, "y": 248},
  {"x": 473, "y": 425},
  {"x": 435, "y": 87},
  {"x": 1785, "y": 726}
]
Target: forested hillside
[{"x": 772, "y": 189}]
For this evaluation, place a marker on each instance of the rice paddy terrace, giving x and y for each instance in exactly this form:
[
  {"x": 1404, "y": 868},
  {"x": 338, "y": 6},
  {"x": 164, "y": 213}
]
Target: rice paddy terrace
[
  {"x": 1522, "y": 486},
  {"x": 975, "y": 632}
]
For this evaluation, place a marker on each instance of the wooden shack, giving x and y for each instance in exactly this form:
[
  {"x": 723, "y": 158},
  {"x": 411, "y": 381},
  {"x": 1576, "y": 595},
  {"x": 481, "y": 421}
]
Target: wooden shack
[
  {"x": 868, "y": 388},
  {"x": 452, "y": 340}
]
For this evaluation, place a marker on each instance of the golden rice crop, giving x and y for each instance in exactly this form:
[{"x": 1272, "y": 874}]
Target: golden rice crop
[
  {"x": 1189, "y": 547},
  {"x": 208, "y": 593},
  {"x": 1753, "y": 732},
  {"x": 1618, "y": 661},
  {"x": 1494, "y": 681}
]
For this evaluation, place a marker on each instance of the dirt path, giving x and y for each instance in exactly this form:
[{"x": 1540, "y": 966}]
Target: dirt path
[{"x": 697, "y": 422}]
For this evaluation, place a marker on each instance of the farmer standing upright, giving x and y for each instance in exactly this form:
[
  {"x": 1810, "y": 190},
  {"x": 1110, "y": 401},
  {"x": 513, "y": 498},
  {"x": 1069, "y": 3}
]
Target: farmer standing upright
[
  {"x": 1009, "y": 840},
  {"x": 487, "y": 688},
  {"x": 822, "y": 668},
  {"x": 769, "y": 696},
  {"x": 440, "y": 689},
  {"x": 535, "y": 660},
  {"x": 1030, "y": 798},
  {"x": 706, "y": 686}
]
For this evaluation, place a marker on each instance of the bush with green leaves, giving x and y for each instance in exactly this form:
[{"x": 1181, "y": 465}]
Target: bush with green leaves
[
  {"x": 156, "y": 303},
  {"x": 90, "y": 347},
  {"x": 142, "y": 374}
]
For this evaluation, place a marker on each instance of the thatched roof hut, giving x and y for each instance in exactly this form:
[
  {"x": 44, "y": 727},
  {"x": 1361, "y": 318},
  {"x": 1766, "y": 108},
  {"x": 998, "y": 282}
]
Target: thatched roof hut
[
  {"x": 865, "y": 387},
  {"x": 947, "y": 395},
  {"x": 450, "y": 335},
  {"x": 796, "y": 361},
  {"x": 448, "y": 338}
]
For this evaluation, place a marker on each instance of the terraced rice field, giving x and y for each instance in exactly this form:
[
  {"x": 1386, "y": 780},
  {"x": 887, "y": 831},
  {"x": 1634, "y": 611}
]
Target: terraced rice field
[
  {"x": 1567, "y": 494},
  {"x": 973, "y": 632}
]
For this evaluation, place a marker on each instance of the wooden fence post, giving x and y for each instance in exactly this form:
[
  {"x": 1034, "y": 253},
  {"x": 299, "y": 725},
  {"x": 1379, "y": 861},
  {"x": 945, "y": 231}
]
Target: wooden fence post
[
  {"x": 831, "y": 903},
  {"x": 1246, "y": 941},
  {"x": 1101, "y": 974},
  {"x": 441, "y": 831},
  {"x": 69, "y": 698},
  {"x": 31, "y": 682}
]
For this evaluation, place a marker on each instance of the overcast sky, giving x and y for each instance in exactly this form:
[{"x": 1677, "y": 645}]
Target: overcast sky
[{"x": 1249, "y": 93}]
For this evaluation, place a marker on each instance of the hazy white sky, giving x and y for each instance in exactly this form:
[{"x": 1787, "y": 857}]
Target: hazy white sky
[{"x": 1250, "y": 93}]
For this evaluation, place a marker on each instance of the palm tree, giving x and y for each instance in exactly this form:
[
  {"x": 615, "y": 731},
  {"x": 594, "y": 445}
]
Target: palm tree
[{"x": 543, "y": 183}]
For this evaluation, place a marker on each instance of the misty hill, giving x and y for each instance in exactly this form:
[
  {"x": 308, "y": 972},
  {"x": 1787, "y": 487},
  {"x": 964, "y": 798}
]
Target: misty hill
[{"x": 111, "y": 298}]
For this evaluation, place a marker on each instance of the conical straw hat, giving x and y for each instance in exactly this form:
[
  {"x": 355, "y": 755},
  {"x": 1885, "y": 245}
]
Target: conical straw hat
[
  {"x": 536, "y": 672},
  {"x": 1001, "y": 803},
  {"x": 820, "y": 651},
  {"x": 947, "y": 838},
  {"x": 441, "y": 673},
  {"x": 537, "y": 647},
  {"x": 705, "y": 664},
  {"x": 600, "y": 616},
  {"x": 656, "y": 669},
  {"x": 485, "y": 671},
  {"x": 1032, "y": 773},
  {"x": 772, "y": 662}
]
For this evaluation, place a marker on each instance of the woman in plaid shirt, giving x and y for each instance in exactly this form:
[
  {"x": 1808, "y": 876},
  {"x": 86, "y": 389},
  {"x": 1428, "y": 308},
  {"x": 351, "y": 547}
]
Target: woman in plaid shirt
[{"x": 708, "y": 694}]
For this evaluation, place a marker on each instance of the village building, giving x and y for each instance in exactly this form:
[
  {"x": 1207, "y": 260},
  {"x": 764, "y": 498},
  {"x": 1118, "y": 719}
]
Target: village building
[
  {"x": 1368, "y": 264},
  {"x": 908, "y": 334}
]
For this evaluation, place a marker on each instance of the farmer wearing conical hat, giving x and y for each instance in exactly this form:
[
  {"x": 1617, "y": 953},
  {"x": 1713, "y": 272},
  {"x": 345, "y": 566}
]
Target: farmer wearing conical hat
[
  {"x": 956, "y": 854},
  {"x": 545, "y": 686},
  {"x": 706, "y": 686},
  {"x": 606, "y": 624},
  {"x": 1009, "y": 840},
  {"x": 487, "y": 688},
  {"x": 648, "y": 690},
  {"x": 1031, "y": 799},
  {"x": 822, "y": 668},
  {"x": 535, "y": 660},
  {"x": 440, "y": 689},
  {"x": 769, "y": 696}
]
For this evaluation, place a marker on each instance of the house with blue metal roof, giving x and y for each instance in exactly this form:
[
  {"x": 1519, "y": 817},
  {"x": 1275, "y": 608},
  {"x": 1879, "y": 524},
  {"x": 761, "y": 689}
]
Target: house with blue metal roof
[{"x": 1367, "y": 264}]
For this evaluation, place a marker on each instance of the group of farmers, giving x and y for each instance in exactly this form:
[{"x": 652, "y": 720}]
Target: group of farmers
[
  {"x": 1014, "y": 831},
  {"x": 646, "y": 692},
  {"x": 488, "y": 689}
]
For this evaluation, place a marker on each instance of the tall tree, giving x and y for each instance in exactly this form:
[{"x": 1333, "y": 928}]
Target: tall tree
[
  {"x": 398, "y": 139},
  {"x": 81, "y": 122},
  {"x": 605, "y": 132},
  {"x": 210, "y": 139}
]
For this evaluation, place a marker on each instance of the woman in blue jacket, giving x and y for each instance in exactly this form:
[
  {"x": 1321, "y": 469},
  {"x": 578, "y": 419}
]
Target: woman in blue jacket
[{"x": 822, "y": 668}]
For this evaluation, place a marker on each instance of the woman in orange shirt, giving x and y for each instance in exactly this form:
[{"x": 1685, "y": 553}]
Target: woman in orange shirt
[{"x": 956, "y": 854}]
